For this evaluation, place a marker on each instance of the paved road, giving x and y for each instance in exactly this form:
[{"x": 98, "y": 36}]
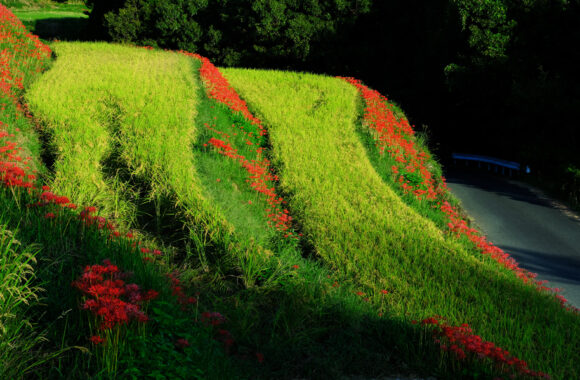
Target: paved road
[{"x": 541, "y": 237}]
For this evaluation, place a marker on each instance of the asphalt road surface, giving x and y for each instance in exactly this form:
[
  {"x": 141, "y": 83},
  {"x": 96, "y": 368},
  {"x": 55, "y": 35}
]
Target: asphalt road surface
[{"x": 540, "y": 234}]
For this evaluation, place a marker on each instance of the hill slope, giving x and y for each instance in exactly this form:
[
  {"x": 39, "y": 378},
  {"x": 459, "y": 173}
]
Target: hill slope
[{"x": 288, "y": 225}]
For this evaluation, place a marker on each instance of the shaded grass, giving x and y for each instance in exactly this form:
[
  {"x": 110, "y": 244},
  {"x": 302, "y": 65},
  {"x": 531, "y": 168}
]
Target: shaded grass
[
  {"x": 361, "y": 227},
  {"x": 51, "y": 20},
  {"x": 65, "y": 246},
  {"x": 18, "y": 294}
]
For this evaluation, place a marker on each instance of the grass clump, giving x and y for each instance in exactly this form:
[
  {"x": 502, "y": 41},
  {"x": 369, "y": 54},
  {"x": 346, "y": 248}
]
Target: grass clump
[{"x": 19, "y": 294}]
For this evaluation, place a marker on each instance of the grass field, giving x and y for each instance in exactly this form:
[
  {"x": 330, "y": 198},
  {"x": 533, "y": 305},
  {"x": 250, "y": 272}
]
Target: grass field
[{"x": 292, "y": 253}]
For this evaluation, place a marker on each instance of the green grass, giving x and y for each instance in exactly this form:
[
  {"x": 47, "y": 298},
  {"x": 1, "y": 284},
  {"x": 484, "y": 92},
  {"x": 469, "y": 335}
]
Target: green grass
[
  {"x": 18, "y": 294},
  {"x": 128, "y": 147},
  {"x": 85, "y": 141},
  {"x": 67, "y": 246},
  {"x": 361, "y": 227}
]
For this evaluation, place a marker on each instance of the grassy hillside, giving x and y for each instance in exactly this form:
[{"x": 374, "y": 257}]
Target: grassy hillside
[
  {"x": 319, "y": 234},
  {"x": 359, "y": 226}
]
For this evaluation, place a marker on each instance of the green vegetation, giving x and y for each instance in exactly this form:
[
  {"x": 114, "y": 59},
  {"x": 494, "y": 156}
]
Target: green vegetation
[
  {"x": 130, "y": 130},
  {"x": 136, "y": 150},
  {"x": 18, "y": 337}
]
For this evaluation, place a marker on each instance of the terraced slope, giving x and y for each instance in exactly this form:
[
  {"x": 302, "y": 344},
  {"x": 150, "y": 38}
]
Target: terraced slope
[
  {"x": 132, "y": 148},
  {"x": 359, "y": 226}
]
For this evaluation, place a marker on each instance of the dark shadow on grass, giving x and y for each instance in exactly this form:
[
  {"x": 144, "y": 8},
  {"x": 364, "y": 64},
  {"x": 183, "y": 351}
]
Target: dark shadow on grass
[
  {"x": 62, "y": 28},
  {"x": 335, "y": 341},
  {"x": 159, "y": 213},
  {"x": 48, "y": 151}
]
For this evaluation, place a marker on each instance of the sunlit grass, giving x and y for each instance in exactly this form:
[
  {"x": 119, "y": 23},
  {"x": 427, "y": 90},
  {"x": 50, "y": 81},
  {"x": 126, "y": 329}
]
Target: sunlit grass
[
  {"x": 361, "y": 227},
  {"x": 108, "y": 87}
]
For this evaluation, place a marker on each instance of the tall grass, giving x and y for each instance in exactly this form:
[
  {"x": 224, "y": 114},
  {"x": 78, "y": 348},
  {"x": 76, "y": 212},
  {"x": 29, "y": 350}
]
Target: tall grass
[
  {"x": 127, "y": 148},
  {"x": 19, "y": 339},
  {"x": 357, "y": 224}
]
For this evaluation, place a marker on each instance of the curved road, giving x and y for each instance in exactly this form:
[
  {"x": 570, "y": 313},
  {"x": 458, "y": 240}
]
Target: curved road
[{"x": 542, "y": 237}]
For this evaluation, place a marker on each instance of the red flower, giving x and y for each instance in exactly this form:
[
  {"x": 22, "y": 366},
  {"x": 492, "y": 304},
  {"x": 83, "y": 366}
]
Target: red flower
[
  {"x": 260, "y": 357},
  {"x": 96, "y": 340},
  {"x": 182, "y": 343}
]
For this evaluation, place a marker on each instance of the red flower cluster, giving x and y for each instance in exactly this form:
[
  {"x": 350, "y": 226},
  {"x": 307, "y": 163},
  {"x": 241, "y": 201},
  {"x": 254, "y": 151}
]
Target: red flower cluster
[
  {"x": 177, "y": 291},
  {"x": 215, "y": 319},
  {"x": 20, "y": 54},
  {"x": 96, "y": 340},
  {"x": 212, "y": 318},
  {"x": 262, "y": 178},
  {"x": 395, "y": 137},
  {"x": 110, "y": 298},
  {"x": 262, "y": 181},
  {"x": 219, "y": 89},
  {"x": 461, "y": 341},
  {"x": 12, "y": 172}
]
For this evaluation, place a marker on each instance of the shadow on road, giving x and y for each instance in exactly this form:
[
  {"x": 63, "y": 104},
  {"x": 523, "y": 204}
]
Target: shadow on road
[
  {"x": 546, "y": 264},
  {"x": 487, "y": 181}
]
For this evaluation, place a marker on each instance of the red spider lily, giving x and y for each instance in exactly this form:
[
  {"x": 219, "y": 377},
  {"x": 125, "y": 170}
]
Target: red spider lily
[
  {"x": 460, "y": 340},
  {"x": 261, "y": 177},
  {"x": 182, "y": 343},
  {"x": 110, "y": 298},
  {"x": 177, "y": 290},
  {"x": 212, "y": 318},
  {"x": 96, "y": 340}
]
